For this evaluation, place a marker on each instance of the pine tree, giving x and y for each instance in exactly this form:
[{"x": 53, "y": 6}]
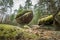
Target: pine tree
[
  {"x": 37, "y": 14},
  {"x": 28, "y": 4},
  {"x": 5, "y": 4},
  {"x": 20, "y": 9}
]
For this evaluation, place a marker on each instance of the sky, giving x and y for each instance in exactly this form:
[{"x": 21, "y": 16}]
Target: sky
[{"x": 22, "y": 2}]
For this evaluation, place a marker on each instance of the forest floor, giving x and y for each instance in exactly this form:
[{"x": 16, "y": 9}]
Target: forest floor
[
  {"x": 34, "y": 32},
  {"x": 43, "y": 33}
]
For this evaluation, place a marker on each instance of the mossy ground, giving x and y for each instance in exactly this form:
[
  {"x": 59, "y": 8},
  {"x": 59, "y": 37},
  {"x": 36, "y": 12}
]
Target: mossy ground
[
  {"x": 14, "y": 32},
  {"x": 9, "y": 32}
]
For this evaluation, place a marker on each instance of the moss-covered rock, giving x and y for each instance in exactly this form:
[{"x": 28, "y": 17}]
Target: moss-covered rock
[
  {"x": 24, "y": 17},
  {"x": 49, "y": 19},
  {"x": 9, "y": 32},
  {"x": 46, "y": 20}
]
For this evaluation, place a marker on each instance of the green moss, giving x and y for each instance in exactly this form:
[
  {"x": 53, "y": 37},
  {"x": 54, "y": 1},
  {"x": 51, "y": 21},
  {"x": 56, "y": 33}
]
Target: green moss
[
  {"x": 9, "y": 30},
  {"x": 27, "y": 36},
  {"x": 48, "y": 19},
  {"x": 22, "y": 13},
  {"x": 24, "y": 17},
  {"x": 45, "y": 19},
  {"x": 26, "y": 27}
]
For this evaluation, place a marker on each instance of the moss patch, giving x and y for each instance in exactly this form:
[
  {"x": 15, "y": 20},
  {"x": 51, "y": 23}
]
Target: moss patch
[
  {"x": 9, "y": 30},
  {"x": 14, "y": 32}
]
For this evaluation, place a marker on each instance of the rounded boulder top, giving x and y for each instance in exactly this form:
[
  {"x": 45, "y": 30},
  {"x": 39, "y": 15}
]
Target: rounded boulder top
[{"x": 24, "y": 17}]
